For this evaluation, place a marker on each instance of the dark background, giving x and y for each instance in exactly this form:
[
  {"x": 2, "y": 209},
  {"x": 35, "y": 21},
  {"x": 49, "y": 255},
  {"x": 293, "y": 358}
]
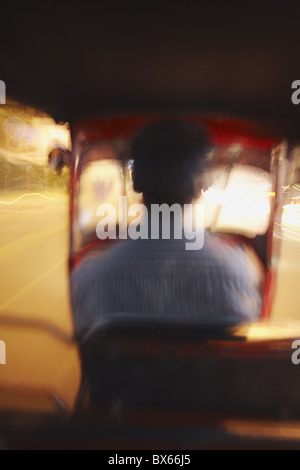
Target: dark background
[{"x": 234, "y": 57}]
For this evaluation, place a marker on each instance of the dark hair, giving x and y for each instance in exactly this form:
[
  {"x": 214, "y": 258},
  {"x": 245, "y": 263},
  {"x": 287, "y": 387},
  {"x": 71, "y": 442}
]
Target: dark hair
[{"x": 168, "y": 159}]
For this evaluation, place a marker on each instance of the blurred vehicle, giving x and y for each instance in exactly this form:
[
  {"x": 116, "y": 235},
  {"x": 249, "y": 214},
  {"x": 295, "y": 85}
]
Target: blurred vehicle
[{"x": 106, "y": 70}]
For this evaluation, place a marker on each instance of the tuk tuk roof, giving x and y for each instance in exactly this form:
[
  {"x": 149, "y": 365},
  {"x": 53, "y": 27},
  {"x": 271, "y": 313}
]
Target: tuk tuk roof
[
  {"x": 75, "y": 60},
  {"x": 222, "y": 130}
]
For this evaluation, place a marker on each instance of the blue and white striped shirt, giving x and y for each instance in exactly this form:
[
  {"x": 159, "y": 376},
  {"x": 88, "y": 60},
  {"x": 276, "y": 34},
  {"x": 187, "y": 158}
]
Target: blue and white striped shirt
[{"x": 219, "y": 284}]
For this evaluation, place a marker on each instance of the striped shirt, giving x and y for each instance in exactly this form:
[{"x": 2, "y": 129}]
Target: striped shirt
[{"x": 219, "y": 284}]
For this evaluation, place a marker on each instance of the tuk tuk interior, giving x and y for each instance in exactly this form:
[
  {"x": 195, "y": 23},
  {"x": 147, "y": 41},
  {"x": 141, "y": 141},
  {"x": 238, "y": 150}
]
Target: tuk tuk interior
[{"x": 168, "y": 384}]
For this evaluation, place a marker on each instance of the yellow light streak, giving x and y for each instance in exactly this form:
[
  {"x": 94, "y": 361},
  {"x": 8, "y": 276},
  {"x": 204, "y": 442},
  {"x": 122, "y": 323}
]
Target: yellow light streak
[{"x": 11, "y": 203}]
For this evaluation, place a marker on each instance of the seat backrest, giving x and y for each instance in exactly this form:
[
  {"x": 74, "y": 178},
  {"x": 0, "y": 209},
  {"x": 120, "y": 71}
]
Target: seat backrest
[{"x": 188, "y": 369}]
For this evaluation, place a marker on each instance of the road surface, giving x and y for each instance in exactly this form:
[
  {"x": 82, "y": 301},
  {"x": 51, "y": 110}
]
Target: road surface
[{"x": 35, "y": 315}]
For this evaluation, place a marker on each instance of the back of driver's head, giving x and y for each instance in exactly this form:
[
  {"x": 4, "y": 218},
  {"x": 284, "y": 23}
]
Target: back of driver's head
[{"x": 168, "y": 158}]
